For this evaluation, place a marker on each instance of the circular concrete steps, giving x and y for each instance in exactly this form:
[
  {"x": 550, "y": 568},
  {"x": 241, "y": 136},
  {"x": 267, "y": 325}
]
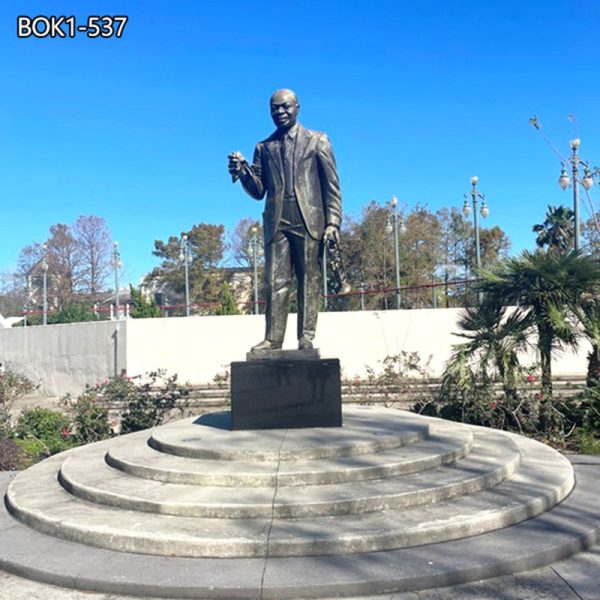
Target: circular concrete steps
[
  {"x": 364, "y": 431},
  {"x": 81, "y": 496},
  {"x": 229, "y": 503},
  {"x": 448, "y": 443}
]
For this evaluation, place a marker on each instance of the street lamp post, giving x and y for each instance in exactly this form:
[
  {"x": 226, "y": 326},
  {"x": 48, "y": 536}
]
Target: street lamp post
[
  {"x": 586, "y": 182},
  {"x": 396, "y": 220},
  {"x": 45, "y": 285},
  {"x": 184, "y": 256},
  {"x": 254, "y": 248},
  {"x": 485, "y": 211},
  {"x": 116, "y": 264}
]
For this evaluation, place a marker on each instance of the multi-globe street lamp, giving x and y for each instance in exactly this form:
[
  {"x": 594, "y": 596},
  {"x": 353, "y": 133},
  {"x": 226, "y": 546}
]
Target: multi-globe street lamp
[
  {"x": 394, "y": 223},
  {"x": 184, "y": 256},
  {"x": 45, "y": 284},
  {"x": 587, "y": 181},
  {"x": 116, "y": 265},
  {"x": 485, "y": 211},
  {"x": 253, "y": 243}
]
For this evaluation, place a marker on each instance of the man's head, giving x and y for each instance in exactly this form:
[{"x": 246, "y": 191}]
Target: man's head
[{"x": 284, "y": 109}]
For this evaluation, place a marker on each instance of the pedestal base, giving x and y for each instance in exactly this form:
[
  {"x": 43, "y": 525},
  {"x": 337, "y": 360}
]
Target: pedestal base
[{"x": 286, "y": 393}]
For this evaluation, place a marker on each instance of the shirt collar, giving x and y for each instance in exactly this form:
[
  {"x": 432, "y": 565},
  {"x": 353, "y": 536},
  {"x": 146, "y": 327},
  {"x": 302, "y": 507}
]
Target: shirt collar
[{"x": 292, "y": 132}]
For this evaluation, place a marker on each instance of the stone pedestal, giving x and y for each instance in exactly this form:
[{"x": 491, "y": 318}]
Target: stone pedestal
[{"x": 289, "y": 392}]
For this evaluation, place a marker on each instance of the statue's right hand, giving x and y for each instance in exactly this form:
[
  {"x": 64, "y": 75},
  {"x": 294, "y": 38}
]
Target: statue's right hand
[{"x": 235, "y": 163}]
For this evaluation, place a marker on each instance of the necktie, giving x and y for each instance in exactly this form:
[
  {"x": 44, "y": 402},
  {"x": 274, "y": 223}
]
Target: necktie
[{"x": 287, "y": 156}]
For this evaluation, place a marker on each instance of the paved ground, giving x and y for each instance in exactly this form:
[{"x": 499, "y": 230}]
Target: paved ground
[{"x": 576, "y": 578}]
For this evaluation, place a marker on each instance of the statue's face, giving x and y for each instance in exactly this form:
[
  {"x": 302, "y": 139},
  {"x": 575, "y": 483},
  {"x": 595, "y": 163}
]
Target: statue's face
[{"x": 284, "y": 109}]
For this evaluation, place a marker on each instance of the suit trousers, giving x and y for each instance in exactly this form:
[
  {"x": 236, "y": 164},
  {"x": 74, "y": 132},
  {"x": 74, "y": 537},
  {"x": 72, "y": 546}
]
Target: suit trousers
[{"x": 292, "y": 251}]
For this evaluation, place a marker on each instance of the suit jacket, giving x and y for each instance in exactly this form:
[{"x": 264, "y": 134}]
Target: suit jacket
[{"x": 316, "y": 182}]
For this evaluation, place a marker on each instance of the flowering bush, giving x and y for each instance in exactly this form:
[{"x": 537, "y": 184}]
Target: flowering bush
[
  {"x": 150, "y": 403},
  {"x": 12, "y": 385},
  {"x": 40, "y": 433},
  {"x": 137, "y": 404},
  {"x": 89, "y": 417}
]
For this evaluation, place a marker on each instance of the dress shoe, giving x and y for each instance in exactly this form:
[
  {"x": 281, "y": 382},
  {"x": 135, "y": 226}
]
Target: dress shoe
[
  {"x": 305, "y": 344},
  {"x": 266, "y": 345}
]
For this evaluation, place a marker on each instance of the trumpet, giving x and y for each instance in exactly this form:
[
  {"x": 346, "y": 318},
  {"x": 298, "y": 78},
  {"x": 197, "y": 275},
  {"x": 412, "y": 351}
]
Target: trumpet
[{"x": 340, "y": 283}]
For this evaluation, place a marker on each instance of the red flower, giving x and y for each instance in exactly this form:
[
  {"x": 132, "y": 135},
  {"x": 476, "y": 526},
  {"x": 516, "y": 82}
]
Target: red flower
[
  {"x": 493, "y": 405},
  {"x": 530, "y": 378},
  {"x": 539, "y": 396},
  {"x": 64, "y": 432}
]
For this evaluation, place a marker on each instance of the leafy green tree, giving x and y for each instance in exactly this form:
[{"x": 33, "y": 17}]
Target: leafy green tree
[
  {"x": 431, "y": 245},
  {"x": 420, "y": 253},
  {"x": 206, "y": 251},
  {"x": 142, "y": 308},
  {"x": 557, "y": 231},
  {"x": 228, "y": 305},
  {"x": 72, "y": 312},
  {"x": 590, "y": 233},
  {"x": 367, "y": 254}
]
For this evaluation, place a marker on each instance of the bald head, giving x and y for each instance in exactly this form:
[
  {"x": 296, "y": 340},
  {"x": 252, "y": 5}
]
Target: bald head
[
  {"x": 284, "y": 93},
  {"x": 284, "y": 109}
]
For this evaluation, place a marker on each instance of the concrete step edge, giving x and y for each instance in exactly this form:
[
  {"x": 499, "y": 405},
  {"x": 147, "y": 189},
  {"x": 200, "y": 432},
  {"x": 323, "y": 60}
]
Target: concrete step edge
[
  {"x": 491, "y": 462},
  {"x": 567, "y": 528},
  {"x": 536, "y": 488}
]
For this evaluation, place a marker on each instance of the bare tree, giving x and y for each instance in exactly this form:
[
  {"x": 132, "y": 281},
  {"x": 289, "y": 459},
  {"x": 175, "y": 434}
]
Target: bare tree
[
  {"x": 12, "y": 295},
  {"x": 240, "y": 242},
  {"x": 64, "y": 263},
  {"x": 94, "y": 251}
]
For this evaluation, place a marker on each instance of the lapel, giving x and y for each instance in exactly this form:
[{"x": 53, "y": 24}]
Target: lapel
[
  {"x": 302, "y": 140},
  {"x": 273, "y": 148}
]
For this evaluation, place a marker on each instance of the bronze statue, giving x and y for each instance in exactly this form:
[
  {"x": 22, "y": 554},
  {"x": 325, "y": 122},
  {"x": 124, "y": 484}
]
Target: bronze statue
[{"x": 296, "y": 169}]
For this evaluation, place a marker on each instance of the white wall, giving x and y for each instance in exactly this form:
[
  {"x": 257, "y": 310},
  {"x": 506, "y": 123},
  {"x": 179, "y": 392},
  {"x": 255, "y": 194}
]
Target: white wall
[{"x": 65, "y": 357}]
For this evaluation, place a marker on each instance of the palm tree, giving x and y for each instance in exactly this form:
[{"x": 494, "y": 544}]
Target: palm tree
[
  {"x": 495, "y": 336},
  {"x": 588, "y": 314},
  {"x": 548, "y": 288},
  {"x": 557, "y": 231}
]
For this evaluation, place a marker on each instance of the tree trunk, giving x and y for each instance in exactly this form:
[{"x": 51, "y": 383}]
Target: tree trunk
[
  {"x": 546, "y": 365},
  {"x": 593, "y": 370}
]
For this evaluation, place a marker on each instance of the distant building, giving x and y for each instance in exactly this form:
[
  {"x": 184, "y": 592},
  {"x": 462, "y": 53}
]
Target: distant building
[{"x": 168, "y": 296}]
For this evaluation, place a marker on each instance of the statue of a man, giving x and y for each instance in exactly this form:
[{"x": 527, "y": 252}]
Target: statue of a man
[{"x": 296, "y": 169}]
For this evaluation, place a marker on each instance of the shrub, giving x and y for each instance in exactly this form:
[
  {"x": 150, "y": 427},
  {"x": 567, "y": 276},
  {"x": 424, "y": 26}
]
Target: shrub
[
  {"x": 589, "y": 443},
  {"x": 72, "y": 312},
  {"x": 89, "y": 417},
  {"x": 467, "y": 395},
  {"x": 41, "y": 432},
  {"x": 11, "y": 455},
  {"x": 403, "y": 376},
  {"x": 12, "y": 386},
  {"x": 148, "y": 404}
]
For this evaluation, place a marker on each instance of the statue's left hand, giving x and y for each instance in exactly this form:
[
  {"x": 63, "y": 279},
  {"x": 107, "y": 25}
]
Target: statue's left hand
[{"x": 331, "y": 233}]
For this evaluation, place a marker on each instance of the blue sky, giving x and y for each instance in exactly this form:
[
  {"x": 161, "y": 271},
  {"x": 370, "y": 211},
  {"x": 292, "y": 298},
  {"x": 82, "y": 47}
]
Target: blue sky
[{"x": 415, "y": 96}]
